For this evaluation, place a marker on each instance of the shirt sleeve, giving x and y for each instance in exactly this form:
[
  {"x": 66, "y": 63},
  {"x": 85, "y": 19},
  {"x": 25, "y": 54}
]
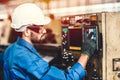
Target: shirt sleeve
[
  {"x": 75, "y": 73},
  {"x": 40, "y": 69}
]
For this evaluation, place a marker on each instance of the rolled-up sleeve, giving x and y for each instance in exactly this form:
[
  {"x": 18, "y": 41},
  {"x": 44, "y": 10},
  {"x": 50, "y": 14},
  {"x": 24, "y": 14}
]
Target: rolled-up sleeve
[{"x": 78, "y": 69}]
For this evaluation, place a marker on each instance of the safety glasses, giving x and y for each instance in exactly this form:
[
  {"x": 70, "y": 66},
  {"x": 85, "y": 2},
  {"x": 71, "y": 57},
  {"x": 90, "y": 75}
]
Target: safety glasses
[{"x": 35, "y": 28}]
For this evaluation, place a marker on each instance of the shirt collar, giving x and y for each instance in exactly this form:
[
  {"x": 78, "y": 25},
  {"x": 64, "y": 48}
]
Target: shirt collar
[{"x": 26, "y": 44}]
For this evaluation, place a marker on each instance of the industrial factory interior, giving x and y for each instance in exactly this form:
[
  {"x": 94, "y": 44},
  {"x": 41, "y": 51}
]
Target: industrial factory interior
[{"x": 71, "y": 21}]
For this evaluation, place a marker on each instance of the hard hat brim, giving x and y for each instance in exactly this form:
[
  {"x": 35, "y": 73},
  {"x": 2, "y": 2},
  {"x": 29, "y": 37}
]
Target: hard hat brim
[{"x": 21, "y": 29}]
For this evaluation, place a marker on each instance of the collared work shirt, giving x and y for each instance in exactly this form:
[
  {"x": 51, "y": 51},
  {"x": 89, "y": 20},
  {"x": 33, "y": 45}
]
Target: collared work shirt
[{"x": 23, "y": 62}]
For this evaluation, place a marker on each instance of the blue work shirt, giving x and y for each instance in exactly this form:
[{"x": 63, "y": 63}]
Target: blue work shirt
[{"x": 23, "y": 62}]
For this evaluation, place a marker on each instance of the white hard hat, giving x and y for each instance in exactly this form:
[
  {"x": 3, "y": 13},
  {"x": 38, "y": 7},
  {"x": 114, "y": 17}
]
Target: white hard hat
[{"x": 26, "y": 14}]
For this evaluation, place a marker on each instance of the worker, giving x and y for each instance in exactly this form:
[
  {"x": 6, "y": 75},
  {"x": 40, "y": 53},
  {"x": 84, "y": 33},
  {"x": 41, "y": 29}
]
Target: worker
[{"x": 21, "y": 59}]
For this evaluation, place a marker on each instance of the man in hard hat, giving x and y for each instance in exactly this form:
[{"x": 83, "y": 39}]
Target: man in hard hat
[{"x": 21, "y": 59}]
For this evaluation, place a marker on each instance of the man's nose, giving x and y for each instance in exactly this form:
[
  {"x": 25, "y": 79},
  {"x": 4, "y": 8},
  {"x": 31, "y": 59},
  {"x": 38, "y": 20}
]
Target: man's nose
[{"x": 44, "y": 31}]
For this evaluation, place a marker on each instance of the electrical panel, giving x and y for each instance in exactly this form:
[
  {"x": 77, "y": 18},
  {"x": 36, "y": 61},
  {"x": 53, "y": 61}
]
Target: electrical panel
[{"x": 75, "y": 30}]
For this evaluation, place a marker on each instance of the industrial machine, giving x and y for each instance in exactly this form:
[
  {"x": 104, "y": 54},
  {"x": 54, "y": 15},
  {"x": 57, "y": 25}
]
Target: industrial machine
[{"x": 75, "y": 30}]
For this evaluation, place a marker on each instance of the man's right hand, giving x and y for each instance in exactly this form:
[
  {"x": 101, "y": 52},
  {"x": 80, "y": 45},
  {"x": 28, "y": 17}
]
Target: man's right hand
[{"x": 89, "y": 47}]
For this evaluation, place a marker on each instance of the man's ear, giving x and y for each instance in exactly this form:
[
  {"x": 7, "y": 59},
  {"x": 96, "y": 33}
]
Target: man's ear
[{"x": 27, "y": 32}]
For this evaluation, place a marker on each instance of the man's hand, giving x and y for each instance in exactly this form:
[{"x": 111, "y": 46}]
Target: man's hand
[{"x": 89, "y": 47}]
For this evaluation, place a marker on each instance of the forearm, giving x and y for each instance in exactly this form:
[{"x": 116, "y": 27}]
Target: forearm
[{"x": 83, "y": 60}]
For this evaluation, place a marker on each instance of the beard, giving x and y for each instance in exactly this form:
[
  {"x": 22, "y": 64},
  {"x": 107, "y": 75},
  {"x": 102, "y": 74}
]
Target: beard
[{"x": 37, "y": 39}]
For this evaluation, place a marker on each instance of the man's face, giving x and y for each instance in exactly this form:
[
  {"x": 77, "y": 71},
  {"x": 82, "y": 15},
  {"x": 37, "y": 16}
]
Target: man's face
[{"x": 38, "y": 34}]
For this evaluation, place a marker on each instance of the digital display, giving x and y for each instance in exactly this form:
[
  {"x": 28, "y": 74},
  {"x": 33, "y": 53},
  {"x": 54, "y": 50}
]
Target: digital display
[{"x": 75, "y": 38}]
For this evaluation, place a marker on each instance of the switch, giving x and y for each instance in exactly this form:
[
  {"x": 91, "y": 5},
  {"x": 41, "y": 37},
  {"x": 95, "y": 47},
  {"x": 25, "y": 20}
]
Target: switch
[
  {"x": 118, "y": 74},
  {"x": 116, "y": 64}
]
